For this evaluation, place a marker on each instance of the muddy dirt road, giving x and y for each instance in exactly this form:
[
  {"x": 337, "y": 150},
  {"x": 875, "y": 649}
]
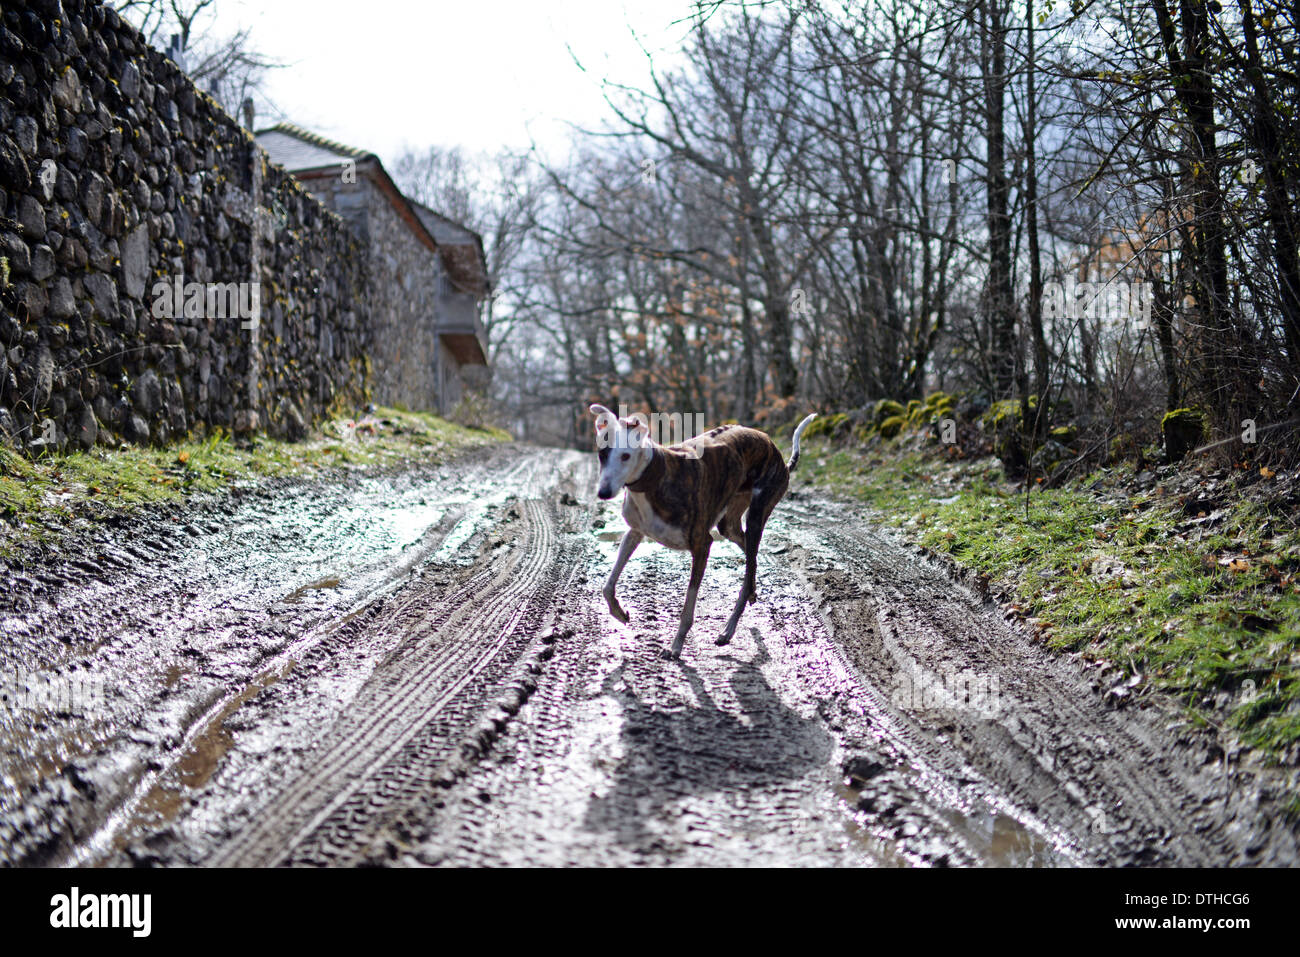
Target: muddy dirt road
[{"x": 418, "y": 669}]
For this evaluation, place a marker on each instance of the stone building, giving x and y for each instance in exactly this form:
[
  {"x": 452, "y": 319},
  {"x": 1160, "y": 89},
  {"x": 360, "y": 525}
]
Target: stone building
[{"x": 428, "y": 273}]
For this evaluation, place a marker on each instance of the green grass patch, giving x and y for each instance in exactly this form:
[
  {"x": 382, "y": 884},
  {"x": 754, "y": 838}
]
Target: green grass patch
[
  {"x": 1206, "y": 611},
  {"x": 39, "y": 496}
]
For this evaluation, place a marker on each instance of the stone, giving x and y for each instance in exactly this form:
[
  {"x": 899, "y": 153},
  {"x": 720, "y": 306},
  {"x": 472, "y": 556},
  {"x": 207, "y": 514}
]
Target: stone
[
  {"x": 89, "y": 385},
  {"x": 129, "y": 81},
  {"x": 31, "y": 217},
  {"x": 67, "y": 89},
  {"x": 292, "y": 425},
  {"x": 42, "y": 267},
  {"x": 75, "y": 144},
  {"x": 62, "y": 302},
  {"x": 43, "y": 380},
  {"x": 65, "y": 186},
  {"x": 146, "y": 393},
  {"x": 15, "y": 251},
  {"x": 103, "y": 291},
  {"x": 103, "y": 409},
  {"x": 137, "y": 429},
  {"x": 86, "y": 433},
  {"x": 135, "y": 262},
  {"x": 35, "y": 301},
  {"x": 73, "y": 254},
  {"x": 13, "y": 167},
  {"x": 25, "y": 134},
  {"x": 92, "y": 195}
]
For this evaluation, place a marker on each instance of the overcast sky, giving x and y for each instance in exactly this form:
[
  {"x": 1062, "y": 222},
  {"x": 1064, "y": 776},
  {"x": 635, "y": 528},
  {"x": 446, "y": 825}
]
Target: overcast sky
[{"x": 385, "y": 74}]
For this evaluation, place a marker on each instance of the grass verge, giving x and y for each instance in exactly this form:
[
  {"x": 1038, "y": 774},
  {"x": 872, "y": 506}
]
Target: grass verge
[
  {"x": 1190, "y": 587},
  {"x": 39, "y": 496}
]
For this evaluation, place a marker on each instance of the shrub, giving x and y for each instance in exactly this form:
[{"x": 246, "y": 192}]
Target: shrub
[{"x": 892, "y": 426}]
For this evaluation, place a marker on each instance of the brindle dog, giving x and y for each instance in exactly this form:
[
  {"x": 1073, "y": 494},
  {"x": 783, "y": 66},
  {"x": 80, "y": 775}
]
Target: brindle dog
[{"x": 677, "y": 494}]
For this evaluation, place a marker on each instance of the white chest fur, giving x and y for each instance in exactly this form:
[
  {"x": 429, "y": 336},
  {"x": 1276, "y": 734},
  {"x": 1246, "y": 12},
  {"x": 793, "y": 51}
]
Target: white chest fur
[{"x": 639, "y": 515}]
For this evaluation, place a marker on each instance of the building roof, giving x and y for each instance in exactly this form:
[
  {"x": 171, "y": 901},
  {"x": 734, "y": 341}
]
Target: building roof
[
  {"x": 462, "y": 250},
  {"x": 297, "y": 149},
  {"x": 307, "y": 154}
]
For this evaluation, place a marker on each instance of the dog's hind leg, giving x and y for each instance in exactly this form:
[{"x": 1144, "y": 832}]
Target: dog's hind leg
[
  {"x": 699, "y": 561},
  {"x": 729, "y": 527},
  {"x": 760, "y": 507},
  {"x": 625, "y": 549}
]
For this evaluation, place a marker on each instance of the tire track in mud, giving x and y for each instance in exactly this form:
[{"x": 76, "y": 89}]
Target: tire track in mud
[
  {"x": 218, "y": 601},
  {"x": 439, "y": 656},
  {"x": 1110, "y": 782}
]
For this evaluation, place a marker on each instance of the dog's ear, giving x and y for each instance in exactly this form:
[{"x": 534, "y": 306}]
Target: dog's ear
[
  {"x": 638, "y": 428},
  {"x": 604, "y": 418}
]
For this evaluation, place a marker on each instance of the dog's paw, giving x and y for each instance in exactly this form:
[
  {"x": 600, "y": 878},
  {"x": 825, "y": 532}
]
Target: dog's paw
[
  {"x": 723, "y": 639},
  {"x": 667, "y": 654},
  {"x": 753, "y": 597},
  {"x": 617, "y": 611}
]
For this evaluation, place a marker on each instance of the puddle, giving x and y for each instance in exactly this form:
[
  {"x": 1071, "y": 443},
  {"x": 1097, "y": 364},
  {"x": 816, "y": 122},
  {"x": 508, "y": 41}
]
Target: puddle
[
  {"x": 882, "y": 851},
  {"x": 997, "y": 838},
  {"x": 299, "y": 594},
  {"x": 194, "y": 770},
  {"x": 1007, "y": 842}
]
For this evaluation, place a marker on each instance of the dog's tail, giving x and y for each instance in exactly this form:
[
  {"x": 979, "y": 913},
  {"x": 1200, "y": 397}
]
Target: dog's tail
[{"x": 794, "y": 456}]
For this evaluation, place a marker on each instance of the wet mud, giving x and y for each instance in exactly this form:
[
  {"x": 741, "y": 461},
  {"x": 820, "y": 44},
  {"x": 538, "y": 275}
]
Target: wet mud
[{"x": 417, "y": 668}]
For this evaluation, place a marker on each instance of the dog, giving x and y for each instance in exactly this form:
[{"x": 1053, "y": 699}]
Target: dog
[{"x": 677, "y": 494}]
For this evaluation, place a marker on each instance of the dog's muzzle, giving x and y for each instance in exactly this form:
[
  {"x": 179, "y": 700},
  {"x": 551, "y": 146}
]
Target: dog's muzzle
[{"x": 605, "y": 493}]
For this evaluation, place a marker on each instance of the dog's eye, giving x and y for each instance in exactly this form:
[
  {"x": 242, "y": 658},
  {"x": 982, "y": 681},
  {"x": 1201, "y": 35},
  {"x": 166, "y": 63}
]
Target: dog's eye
[{"x": 626, "y": 456}]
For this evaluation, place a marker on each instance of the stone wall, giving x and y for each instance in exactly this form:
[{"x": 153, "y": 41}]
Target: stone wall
[
  {"x": 118, "y": 179},
  {"x": 405, "y": 278}
]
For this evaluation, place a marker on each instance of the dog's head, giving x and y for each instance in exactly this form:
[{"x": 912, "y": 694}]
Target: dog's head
[{"x": 623, "y": 447}]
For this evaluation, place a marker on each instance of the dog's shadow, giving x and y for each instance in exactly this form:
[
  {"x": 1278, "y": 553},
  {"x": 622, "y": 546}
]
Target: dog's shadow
[{"x": 674, "y": 754}]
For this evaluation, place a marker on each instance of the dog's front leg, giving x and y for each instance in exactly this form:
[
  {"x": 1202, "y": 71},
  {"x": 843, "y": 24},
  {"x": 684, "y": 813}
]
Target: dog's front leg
[
  {"x": 630, "y": 541},
  {"x": 699, "y": 561}
]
